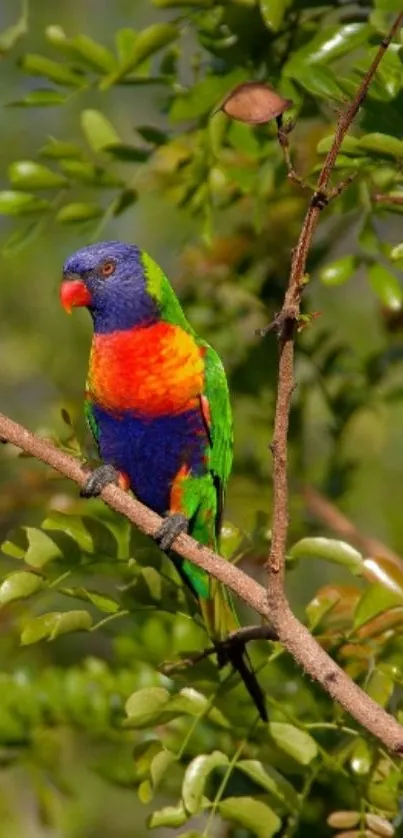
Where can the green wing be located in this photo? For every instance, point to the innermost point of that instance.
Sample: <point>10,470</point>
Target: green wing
<point>91,421</point>
<point>219,422</point>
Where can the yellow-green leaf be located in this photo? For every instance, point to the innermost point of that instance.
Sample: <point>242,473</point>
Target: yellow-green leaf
<point>31,175</point>
<point>295,742</point>
<point>251,814</point>
<point>19,585</point>
<point>53,624</point>
<point>145,707</point>
<point>98,130</point>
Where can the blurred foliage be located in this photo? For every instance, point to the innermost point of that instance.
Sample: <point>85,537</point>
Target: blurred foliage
<point>109,131</point>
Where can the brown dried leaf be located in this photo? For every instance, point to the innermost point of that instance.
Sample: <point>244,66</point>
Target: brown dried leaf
<point>254,102</point>
<point>343,819</point>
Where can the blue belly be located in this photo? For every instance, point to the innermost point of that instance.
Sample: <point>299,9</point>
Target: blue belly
<point>151,452</point>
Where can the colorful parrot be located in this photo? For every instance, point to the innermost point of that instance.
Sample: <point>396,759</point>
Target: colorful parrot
<point>158,407</point>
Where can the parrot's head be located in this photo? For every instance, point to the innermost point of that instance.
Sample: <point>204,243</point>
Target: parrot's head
<point>109,279</point>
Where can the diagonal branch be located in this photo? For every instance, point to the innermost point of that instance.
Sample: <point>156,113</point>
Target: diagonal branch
<point>294,636</point>
<point>282,620</point>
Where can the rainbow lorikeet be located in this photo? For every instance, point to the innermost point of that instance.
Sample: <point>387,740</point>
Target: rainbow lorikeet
<point>158,407</point>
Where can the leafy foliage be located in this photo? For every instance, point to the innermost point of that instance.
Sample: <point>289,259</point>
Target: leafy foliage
<point>92,615</point>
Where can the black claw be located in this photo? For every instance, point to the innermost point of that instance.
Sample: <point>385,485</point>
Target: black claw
<point>97,481</point>
<point>173,526</point>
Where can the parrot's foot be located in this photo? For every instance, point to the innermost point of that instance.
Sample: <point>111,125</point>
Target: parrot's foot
<point>173,526</point>
<point>98,479</point>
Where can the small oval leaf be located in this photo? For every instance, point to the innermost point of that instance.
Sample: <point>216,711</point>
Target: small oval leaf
<point>31,175</point>
<point>329,549</point>
<point>98,130</point>
<point>53,624</point>
<point>170,816</point>
<point>251,814</point>
<point>76,212</point>
<point>19,585</point>
<point>145,707</point>
<point>149,41</point>
<point>295,742</point>
<point>196,776</point>
<point>386,286</point>
<point>339,271</point>
<point>21,203</point>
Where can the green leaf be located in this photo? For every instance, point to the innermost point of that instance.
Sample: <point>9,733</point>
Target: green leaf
<point>375,600</point>
<point>396,254</point>
<point>350,145</point>
<point>38,65</point>
<point>152,135</point>
<point>382,145</point>
<point>329,549</point>
<point>102,601</point>
<point>88,173</point>
<point>273,12</point>
<point>194,703</point>
<point>145,707</point>
<point>127,153</point>
<point>98,130</point>
<point>14,33</point>
<point>41,548</point>
<point>339,271</point>
<point>204,95</point>
<point>125,39</point>
<point>171,816</point>
<point>40,98</point>
<point>318,80</point>
<point>76,212</point>
<point>21,203</point>
<point>160,764</point>
<point>386,286</point>
<point>175,4</point>
<point>196,776</point>
<point>93,54</point>
<point>295,742</point>
<point>380,687</point>
<point>19,585</point>
<point>31,175</point>
<point>148,42</point>
<point>329,43</point>
<point>251,814</point>
<point>54,624</point>
<point>58,149</point>
<point>270,780</point>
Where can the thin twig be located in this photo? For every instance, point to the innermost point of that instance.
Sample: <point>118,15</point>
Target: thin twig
<point>394,198</point>
<point>288,319</point>
<point>293,635</point>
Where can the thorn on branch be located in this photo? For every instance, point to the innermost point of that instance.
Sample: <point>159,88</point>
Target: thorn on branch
<point>283,324</point>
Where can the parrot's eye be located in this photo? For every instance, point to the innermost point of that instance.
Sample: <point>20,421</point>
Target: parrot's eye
<point>107,268</point>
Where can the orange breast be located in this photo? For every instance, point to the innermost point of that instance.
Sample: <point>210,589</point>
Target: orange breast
<point>153,371</point>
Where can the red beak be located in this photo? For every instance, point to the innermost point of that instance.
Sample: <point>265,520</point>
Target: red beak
<point>73,292</point>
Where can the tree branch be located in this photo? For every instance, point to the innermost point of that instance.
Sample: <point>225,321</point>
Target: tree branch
<point>293,635</point>
<point>286,321</point>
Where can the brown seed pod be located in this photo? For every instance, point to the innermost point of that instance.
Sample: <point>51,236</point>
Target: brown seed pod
<point>356,833</point>
<point>380,825</point>
<point>254,102</point>
<point>343,819</point>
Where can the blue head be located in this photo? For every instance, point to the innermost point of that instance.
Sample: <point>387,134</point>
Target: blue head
<point>109,278</point>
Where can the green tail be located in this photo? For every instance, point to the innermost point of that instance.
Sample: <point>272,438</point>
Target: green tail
<point>221,620</point>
